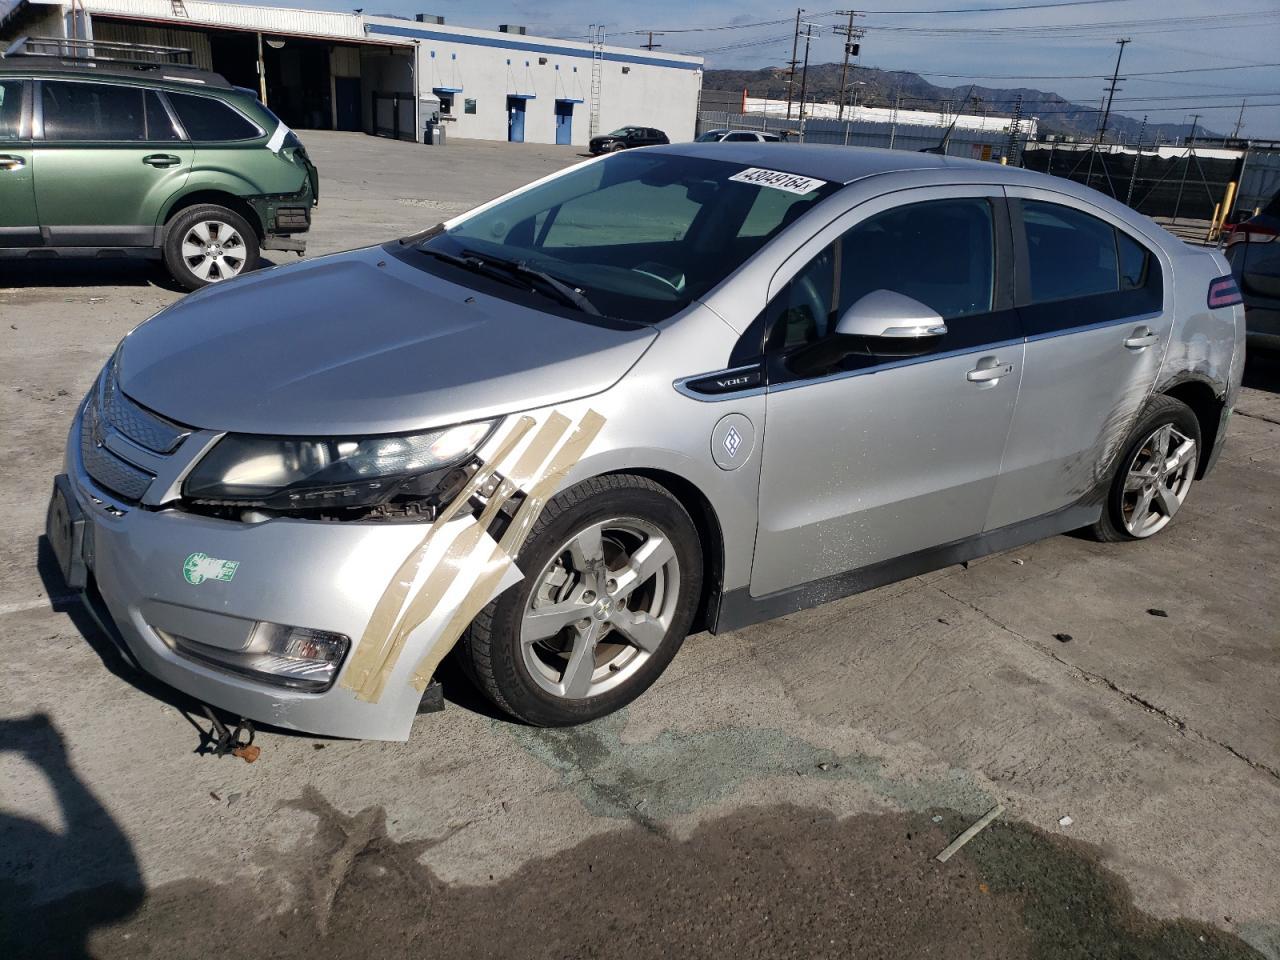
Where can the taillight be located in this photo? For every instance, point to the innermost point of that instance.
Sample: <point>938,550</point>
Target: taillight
<point>1223,292</point>
<point>1252,232</point>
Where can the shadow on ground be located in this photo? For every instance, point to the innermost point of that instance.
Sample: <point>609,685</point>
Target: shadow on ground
<point>90,854</point>
<point>765,882</point>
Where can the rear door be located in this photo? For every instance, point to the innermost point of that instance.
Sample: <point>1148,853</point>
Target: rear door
<point>19,226</point>
<point>1093,303</point>
<point>107,157</point>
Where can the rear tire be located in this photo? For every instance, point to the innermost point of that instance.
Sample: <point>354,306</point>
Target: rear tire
<point>208,244</point>
<point>1153,475</point>
<point>613,578</point>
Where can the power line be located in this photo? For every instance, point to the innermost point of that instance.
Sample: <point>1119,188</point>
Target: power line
<point>1020,6</point>
<point>1084,76</point>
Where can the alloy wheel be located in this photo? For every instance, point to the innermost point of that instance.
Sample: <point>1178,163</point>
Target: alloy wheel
<point>214,250</point>
<point>600,608</point>
<point>1157,481</point>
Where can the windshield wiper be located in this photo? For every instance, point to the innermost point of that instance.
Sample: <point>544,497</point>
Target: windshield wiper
<point>549,284</point>
<point>514,272</point>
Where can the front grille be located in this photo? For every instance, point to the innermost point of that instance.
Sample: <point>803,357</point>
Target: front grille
<point>110,412</point>
<point>107,470</point>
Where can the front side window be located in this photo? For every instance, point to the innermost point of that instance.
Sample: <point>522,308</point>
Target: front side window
<point>940,252</point>
<point>640,236</point>
<point>93,111</point>
<point>10,109</point>
<point>207,119</point>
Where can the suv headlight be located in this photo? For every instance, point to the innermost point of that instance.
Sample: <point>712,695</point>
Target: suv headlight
<point>292,473</point>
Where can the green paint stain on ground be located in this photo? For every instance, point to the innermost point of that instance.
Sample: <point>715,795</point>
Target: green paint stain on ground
<point>680,772</point>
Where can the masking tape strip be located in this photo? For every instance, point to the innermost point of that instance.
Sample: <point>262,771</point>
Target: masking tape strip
<point>371,653</point>
<point>461,553</point>
<point>502,556</point>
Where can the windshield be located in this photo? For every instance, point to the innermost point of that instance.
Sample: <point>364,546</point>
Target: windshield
<point>639,235</point>
<point>711,136</point>
<point>621,132</point>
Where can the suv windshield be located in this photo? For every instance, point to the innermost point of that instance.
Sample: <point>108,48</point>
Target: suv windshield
<point>640,236</point>
<point>711,136</point>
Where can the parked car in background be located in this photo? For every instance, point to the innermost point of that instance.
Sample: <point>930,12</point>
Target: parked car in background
<point>119,157</point>
<point>625,137</point>
<point>738,136</point>
<point>670,391</point>
<point>1253,250</point>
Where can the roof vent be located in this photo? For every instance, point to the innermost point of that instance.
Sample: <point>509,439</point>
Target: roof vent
<point>512,28</point>
<point>429,18</point>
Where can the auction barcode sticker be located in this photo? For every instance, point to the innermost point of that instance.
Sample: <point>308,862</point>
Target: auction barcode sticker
<point>777,180</point>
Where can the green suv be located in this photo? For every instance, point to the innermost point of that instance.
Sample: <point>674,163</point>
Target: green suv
<point>102,155</point>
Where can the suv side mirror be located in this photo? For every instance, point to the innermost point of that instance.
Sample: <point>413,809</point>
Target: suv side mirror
<point>881,324</point>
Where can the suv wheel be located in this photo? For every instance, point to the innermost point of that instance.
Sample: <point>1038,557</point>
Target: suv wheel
<point>1153,475</point>
<point>614,579</point>
<point>207,244</point>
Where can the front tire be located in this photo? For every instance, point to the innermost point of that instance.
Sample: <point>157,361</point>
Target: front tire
<point>1153,475</point>
<point>613,580</point>
<point>208,244</point>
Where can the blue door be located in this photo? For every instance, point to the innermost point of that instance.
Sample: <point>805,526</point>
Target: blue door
<point>515,119</point>
<point>564,122</point>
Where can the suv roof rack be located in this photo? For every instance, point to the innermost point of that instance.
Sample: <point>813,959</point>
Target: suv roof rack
<point>114,57</point>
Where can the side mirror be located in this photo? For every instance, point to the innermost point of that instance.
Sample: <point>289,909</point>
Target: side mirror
<point>883,315</point>
<point>881,324</point>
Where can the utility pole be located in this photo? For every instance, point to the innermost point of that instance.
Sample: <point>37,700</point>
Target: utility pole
<point>791,64</point>
<point>1239,121</point>
<point>804,75</point>
<point>1111,90</point>
<point>852,46</point>
<point>650,45</point>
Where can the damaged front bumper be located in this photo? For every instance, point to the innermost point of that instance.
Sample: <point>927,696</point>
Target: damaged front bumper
<point>195,601</point>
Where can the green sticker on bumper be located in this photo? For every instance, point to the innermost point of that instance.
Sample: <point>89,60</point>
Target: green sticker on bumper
<point>200,567</point>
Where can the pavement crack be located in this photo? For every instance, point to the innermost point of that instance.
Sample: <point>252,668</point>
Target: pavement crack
<point>1088,676</point>
<point>1257,416</point>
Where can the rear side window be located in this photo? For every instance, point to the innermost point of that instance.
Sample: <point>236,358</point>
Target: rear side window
<point>93,111</point>
<point>1070,254</point>
<point>1135,262</point>
<point>10,109</point>
<point>207,119</point>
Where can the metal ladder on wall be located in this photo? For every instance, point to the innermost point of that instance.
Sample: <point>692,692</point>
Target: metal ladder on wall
<point>597,75</point>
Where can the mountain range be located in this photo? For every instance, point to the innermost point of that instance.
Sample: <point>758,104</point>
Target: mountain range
<point>1057,114</point>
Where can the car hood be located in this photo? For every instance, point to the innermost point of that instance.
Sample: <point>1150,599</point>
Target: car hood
<point>361,343</point>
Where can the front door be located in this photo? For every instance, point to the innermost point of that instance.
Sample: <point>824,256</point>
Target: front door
<point>515,119</point>
<point>877,457</point>
<point>564,122</point>
<point>1092,301</point>
<point>106,160</point>
<point>19,226</point>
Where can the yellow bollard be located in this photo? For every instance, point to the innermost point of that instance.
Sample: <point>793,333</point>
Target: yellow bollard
<point>1227,200</point>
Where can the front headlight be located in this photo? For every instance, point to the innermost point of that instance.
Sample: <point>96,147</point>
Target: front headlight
<point>291,473</point>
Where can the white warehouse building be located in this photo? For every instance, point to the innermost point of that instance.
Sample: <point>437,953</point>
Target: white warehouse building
<point>391,76</point>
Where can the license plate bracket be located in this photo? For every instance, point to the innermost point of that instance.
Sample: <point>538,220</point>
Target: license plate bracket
<point>67,529</point>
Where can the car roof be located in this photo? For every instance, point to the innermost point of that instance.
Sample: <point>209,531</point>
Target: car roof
<point>841,164</point>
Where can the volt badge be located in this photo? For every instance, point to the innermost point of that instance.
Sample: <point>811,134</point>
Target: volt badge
<point>732,441</point>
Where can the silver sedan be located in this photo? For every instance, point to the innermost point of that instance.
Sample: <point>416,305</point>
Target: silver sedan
<point>676,389</point>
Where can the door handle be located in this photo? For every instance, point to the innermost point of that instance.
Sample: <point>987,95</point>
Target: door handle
<point>161,160</point>
<point>1141,338</point>
<point>10,162</point>
<point>988,370</point>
